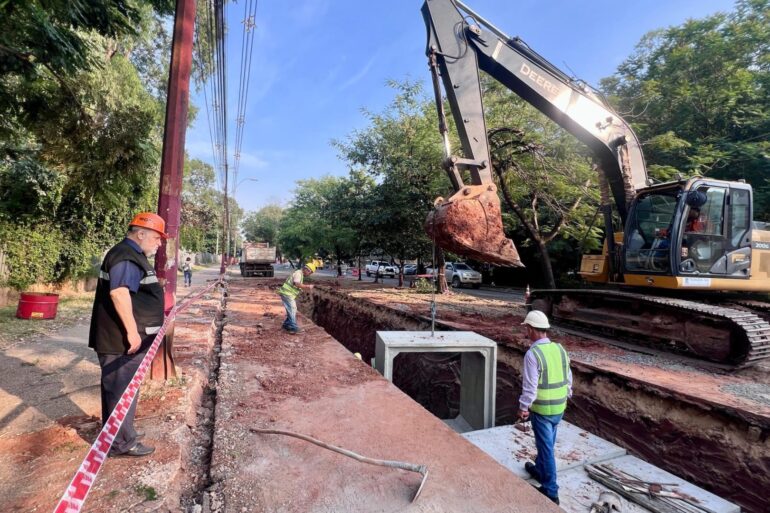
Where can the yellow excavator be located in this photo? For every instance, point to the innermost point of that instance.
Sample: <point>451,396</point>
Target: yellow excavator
<point>688,273</point>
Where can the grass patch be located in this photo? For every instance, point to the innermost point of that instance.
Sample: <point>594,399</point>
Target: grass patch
<point>67,447</point>
<point>177,382</point>
<point>71,310</point>
<point>148,492</point>
<point>423,286</point>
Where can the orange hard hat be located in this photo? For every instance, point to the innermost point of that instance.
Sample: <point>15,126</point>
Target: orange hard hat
<point>150,221</point>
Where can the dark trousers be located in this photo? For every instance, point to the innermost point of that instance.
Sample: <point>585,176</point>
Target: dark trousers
<point>117,371</point>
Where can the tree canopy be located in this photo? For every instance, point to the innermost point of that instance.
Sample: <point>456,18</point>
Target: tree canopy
<point>699,96</point>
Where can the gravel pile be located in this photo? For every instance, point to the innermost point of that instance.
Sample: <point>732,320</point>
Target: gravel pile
<point>660,362</point>
<point>757,392</point>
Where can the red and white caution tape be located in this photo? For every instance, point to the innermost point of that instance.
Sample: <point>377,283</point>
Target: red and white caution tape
<point>75,496</point>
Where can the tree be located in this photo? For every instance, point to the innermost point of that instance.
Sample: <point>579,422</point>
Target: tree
<point>202,208</point>
<point>263,225</point>
<point>401,150</point>
<point>309,224</point>
<point>698,95</point>
<point>543,174</point>
<point>77,125</point>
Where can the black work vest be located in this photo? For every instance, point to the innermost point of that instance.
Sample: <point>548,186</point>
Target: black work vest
<point>108,335</point>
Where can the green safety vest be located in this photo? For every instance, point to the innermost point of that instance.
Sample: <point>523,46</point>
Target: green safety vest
<point>552,386</point>
<point>288,288</point>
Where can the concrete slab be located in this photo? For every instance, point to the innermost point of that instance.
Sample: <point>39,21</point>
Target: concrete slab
<point>458,424</point>
<point>576,448</point>
<point>478,366</point>
<point>512,448</point>
<point>577,490</point>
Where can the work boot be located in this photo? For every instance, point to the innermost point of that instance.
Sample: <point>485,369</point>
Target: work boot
<point>137,450</point>
<point>531,469</point>
<point>555,500</point>
<point>295,331</point>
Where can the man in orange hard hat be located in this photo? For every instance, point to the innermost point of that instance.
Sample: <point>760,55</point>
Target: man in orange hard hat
<point>127,314</point>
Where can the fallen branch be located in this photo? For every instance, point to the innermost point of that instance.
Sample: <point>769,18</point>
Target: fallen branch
<point>411,467</point>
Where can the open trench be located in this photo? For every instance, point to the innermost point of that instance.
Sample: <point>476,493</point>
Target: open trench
<point>719,449</point>
<point>200,494</point>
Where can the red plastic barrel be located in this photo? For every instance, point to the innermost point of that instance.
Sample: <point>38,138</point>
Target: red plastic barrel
<point>37,305</point>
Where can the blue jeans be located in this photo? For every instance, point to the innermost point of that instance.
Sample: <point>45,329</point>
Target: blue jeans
<point>188,278</point>
<point>544,427</point>
<point>291,313</point>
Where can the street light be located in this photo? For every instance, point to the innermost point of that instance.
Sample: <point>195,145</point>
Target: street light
<point>235,187</point>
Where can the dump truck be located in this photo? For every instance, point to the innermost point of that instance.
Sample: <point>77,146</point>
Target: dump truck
<point>257,259</point>
<point>686,270</point>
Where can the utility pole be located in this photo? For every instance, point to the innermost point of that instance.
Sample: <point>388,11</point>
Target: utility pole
<point>171,171</point>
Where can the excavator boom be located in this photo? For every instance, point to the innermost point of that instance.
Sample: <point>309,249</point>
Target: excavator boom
<point>701,274</point>
<point>460,43</point>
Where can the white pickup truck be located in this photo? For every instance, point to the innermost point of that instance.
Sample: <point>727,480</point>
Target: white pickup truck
<point>459,274</point>
<point>381,267</point>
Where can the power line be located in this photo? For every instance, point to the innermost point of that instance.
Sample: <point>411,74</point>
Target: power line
<point>247,51</point>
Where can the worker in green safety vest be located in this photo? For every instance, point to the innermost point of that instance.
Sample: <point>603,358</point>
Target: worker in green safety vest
<point>546,386</point>
<point>289,291</point>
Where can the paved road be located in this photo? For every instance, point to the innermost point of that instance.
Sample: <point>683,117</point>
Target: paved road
<point>499,293</point>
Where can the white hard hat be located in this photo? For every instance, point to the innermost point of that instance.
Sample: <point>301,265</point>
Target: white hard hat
<point>537,320</point>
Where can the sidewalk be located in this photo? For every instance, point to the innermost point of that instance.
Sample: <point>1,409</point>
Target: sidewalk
<point>50,412</point>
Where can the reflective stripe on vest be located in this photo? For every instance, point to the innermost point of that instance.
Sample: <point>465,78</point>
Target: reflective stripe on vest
<point>552,386</point>
<point>288,289</point>
<point>144,281</point>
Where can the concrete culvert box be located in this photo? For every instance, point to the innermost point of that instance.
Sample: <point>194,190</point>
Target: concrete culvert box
<point>478,368</point>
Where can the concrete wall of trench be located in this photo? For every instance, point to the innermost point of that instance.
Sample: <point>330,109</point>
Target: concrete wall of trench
<point>717,450</point>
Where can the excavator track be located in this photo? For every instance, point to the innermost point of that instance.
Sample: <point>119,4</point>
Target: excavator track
<point>735,333</point>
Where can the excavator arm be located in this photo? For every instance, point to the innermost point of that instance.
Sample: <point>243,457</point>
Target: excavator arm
<point>460,43</point>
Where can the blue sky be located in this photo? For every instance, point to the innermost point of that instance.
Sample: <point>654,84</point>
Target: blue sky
<point>317,63</point>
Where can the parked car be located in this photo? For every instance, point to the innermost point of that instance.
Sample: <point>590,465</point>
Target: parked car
<point>459,274</point>
<point>382,268</point>
<point>410,269</point>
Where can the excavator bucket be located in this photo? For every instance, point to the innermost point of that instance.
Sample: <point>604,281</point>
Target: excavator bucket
<point>470,224</point>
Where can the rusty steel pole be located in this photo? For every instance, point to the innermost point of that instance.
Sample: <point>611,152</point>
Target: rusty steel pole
<point>171,171</point>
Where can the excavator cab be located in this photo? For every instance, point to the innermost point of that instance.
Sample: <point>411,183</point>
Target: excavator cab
<point>696,228</point>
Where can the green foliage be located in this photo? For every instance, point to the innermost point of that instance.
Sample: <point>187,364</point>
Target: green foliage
<point>423,286</point>
<point>401,149</point>
<point>80,129</point>
<point>546,181</point>
<point>28,189</point>
<point>148,492</point>
<point>699,96</point>
<point>311,225</point>
<point>263,225</point>
<point>32,254</point>
<point>202,208</point>
<point>55,33</point>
